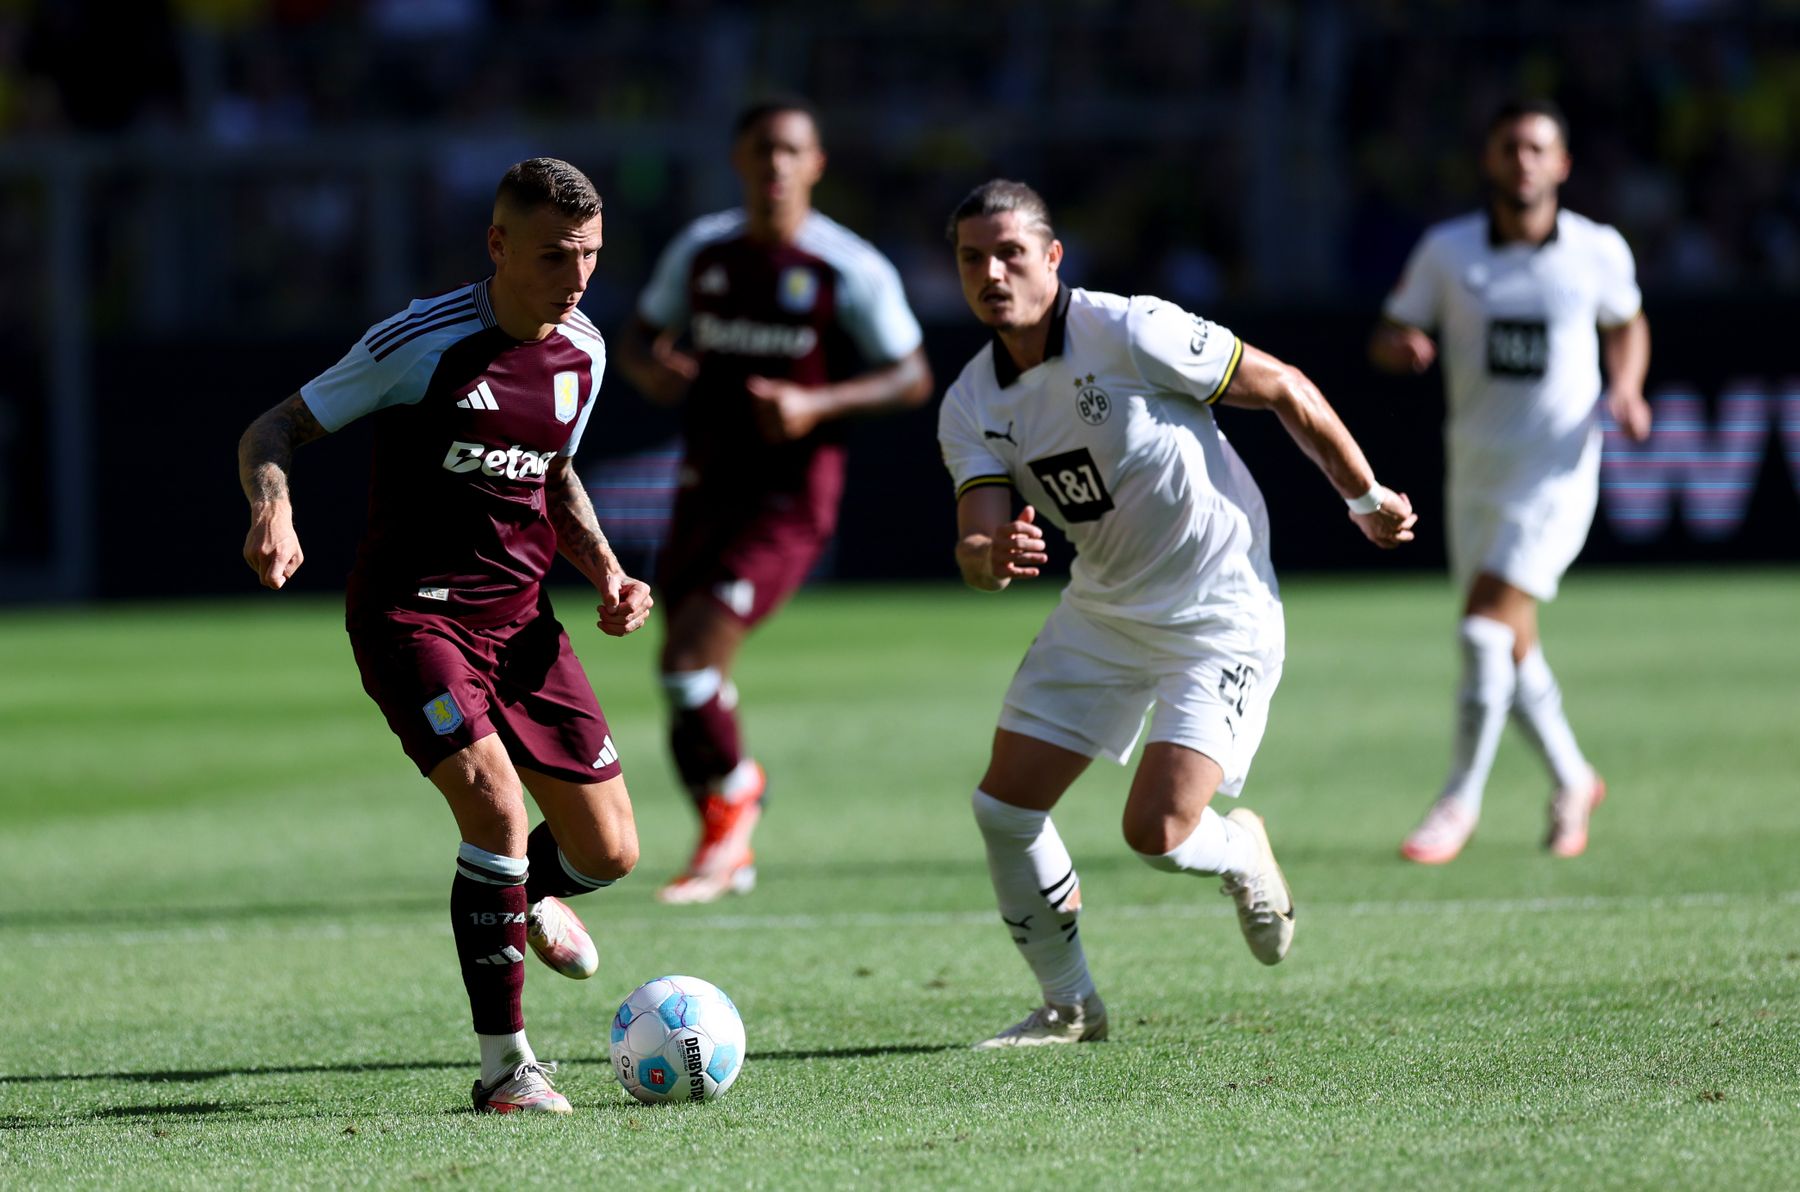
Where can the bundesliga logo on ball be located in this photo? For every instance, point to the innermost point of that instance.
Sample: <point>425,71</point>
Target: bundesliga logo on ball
<point>677,1039</point>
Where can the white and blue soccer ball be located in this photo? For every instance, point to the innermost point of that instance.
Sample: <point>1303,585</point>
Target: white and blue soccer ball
<point>677,1039</point>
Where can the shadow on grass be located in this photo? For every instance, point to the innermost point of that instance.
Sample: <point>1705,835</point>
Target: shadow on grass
<point>19,1121</point>
<point>198,916</point>
<point>856,1053</point>
<point>186,1075</point>
<point>187,1109</point>
<point>189,1075</point>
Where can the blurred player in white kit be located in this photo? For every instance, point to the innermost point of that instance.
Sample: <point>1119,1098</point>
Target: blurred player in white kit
<point>1525,300</point>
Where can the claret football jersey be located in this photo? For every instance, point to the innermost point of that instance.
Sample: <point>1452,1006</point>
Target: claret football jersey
<point>1112,439</point>
<point>1517,326</point>
<point>467,422</point>
<point>817,310</point>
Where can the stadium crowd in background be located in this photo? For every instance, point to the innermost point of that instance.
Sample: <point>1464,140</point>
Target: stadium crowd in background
<point>1167,118</point>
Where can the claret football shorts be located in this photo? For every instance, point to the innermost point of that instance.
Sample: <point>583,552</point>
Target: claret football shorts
<point>443,686</point>
<point>747,548</point>
<point>1087,683</point>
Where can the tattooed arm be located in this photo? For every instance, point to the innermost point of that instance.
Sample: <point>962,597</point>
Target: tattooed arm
<point>265,456</point>
<point>624,602</point>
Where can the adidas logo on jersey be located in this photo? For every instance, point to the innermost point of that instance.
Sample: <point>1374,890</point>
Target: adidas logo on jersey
<point>514,463</point>
<point>479,398</point>
<point>608,753</point>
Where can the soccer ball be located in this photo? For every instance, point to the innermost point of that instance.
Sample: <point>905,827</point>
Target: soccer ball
<point>677,1039</point>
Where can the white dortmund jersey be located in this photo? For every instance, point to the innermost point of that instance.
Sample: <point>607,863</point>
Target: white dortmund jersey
<point>1112,438</point>
<point>1516,326</point>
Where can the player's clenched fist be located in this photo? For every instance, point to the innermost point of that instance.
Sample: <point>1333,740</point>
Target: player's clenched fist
<point>784,411</point>
<point>271,547</point>
<point>625,605</point>
<point>1391,522</point>
<point>1018,548</point>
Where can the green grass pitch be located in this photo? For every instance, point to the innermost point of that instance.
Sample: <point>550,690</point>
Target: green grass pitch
<point>225,956</point>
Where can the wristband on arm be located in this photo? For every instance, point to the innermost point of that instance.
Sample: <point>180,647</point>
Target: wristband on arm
<point>1369,502</point>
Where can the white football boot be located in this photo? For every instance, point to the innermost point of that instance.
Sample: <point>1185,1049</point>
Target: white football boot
<point>1441,834</point>
<point>526,1090</point>
<point>1265,907</point>
<point>1569,812</point>
<point>559,939</point>
<point>1050,1023</point>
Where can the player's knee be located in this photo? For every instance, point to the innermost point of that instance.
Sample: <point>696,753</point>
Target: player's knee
<point>604,860</point>
<point>1150,836</point>
<point>617,861</point>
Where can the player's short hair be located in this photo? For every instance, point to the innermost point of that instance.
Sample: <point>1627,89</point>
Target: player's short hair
<point>1516,109</point>
<point>540,181</point>
<point>762,109</point>
<point>1002,194</point>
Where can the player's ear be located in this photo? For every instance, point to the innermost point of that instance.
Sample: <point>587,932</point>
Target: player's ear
<point>1053,254</point>
<point>496,244</point>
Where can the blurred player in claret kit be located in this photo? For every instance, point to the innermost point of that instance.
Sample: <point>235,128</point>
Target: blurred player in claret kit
<point>792,324</point>
<point>479,398</point>
<point>1096,411</point>
<point>1526,300</point>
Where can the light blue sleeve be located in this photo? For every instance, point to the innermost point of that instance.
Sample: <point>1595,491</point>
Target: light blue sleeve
<point>872,307</point>
<point>664,302</point>
<point>361,383</point>
<point>595,347</point>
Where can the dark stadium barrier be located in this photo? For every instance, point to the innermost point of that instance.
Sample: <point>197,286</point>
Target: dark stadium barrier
<point>1717,484</point>
<point>26,457</point>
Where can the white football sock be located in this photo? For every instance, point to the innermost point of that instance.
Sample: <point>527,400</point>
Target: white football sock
<point>1482,702</point>
<point>1039,895</point>
<point>744,779</point>
<point>1538,710</point>
<point>1216,846</point>
<point>690,689</point>
<point>500,1054</point>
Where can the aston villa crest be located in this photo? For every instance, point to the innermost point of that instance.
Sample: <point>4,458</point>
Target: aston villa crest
<point>798,291</point>
<point>568,396</point>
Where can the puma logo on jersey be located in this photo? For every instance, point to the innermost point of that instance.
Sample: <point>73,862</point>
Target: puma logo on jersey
<point>514,463</point>
<point>1000,434</point>
<point>744,337</point>
<point>479,398</point>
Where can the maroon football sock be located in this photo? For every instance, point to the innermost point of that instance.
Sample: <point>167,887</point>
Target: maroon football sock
<point>488,921</point>
<point>706,745</point>
<point>550,871</point>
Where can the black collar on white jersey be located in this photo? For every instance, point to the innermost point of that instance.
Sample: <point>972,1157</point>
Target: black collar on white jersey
<point>1493,233</point>
<point>1005,371</point>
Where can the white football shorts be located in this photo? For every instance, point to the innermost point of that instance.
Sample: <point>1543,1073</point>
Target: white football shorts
<point>1086,684</point>
<point>1528,538</point>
